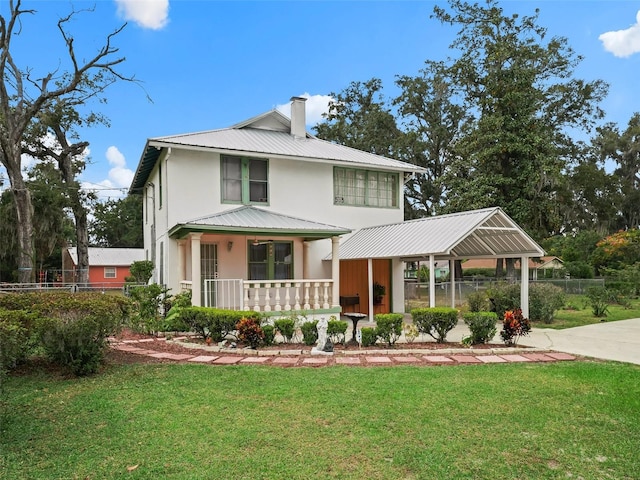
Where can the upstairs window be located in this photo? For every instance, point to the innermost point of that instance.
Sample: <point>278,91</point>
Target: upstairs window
<point>366,188</point>
<point>244,180</point>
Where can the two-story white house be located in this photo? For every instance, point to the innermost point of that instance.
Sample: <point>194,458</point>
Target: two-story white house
<point>247,216</point>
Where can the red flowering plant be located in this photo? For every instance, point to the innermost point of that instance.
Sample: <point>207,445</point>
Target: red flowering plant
<point>514,326</point>
<point>249,332</point>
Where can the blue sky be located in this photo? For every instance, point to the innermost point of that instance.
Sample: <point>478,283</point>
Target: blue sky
<point>210,64</point>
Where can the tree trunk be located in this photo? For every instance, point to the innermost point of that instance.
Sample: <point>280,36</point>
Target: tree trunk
<point>511,269</point>
<point>499,268</point>
<point>82,236</point>
<point>24,228</point>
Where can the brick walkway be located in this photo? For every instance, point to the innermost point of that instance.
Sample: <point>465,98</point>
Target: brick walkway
<point>378,357</point>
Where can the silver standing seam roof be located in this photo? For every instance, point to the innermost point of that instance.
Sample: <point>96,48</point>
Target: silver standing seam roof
<point>479,233</point>
<point>265,135</point>
<point>255,221</point>
<point>109,257</point>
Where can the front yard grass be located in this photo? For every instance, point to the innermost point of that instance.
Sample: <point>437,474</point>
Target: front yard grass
<point>178,421</point>
<point>580,313</point>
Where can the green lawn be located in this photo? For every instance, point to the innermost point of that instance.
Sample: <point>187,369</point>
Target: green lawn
<point>580,313</point>
<point>177,421</point>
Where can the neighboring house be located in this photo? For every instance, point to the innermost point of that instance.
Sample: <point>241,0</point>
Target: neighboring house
<point>108,267</point>
<point>253,217</point>
<point>539,267</point>
<point>232,213</point>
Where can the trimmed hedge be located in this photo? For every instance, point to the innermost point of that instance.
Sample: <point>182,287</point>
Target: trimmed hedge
<point>389,326</point>
<point>16,330</point>
<point>482,326</point>
<point>336,330</point>
<point>72,327</point>
<point>435,322</point>
<point>213,322</point>
<point>309,332</point>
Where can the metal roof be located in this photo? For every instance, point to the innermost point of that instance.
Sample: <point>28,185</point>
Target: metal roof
<point>109,257</point>
<point>479,233</point>
<point>253,220</point>
<point>265,135</point>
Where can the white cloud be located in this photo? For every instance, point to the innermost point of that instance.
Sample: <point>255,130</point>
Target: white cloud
<point>153,14</point>
<point>623,43</point>
<point>119,177</point>
<point>315,106</point>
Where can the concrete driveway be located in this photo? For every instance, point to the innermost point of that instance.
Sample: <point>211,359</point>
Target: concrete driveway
<point>618,341</point>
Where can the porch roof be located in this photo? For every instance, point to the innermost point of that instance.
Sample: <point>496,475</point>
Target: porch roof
<point>479,233</point>
<point>256,221</point>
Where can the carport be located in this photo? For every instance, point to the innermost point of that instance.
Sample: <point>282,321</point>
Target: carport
<point>485,233</point>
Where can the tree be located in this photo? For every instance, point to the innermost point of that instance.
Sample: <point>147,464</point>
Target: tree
<point>359,117</point>
<point>23,98</point>
<point>118,223</point>
<point>623,149</point>
<point>431,122</point>
<point>522,97</point>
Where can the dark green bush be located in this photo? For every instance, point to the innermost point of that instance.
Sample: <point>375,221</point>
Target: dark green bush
<point>544,300</point>
<point>478,272</point>
<point>336,330</point>
<point>309,332</point>
<point>148,301</point>
<point>286,327</point>
<point>478,302</point>
<point>435,322</point>
<point>389,327</point>
<point>16,330</point>
<point>503,296</point>
<point>269,334</point>
<point>213,322</point>
<point>173,322</point>
<point>369,336</point>
<point>482,326</point>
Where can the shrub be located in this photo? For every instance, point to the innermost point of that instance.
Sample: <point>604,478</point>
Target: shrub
<point>286,327</point>
<point>478,302</point>
<point>369,336</point>
<point>482,326</point>
<point>16,328</point>
<point>269,334</point>
<point>544,300</point>
<point>389,327</point>
<point>249,332</point>
<point>410,332</point>
<point>503,297</point>
<point>435,322</point>
<point>599,301</point>
<point>514,326</point>
<point>309,332</point>
<point>148,301</point>
<point>336,330</point>
<point>213,322</point>
<point>173,321</point>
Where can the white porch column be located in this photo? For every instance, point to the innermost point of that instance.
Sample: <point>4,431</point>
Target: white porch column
<point>452,277</point>
<point>181,273</point>
<point>305,260</point>
<point>196,287</point>
<point>524,286</point>
<point>335,271</point>
<point>370,284</point>
<point>432,281</point>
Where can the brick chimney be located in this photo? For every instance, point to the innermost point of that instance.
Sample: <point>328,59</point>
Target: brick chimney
<point>298,117</point>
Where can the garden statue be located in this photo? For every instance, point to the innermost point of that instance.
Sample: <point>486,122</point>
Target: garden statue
<point>322,344</point>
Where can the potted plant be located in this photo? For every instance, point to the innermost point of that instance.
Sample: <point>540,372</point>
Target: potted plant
<point>379,291</point>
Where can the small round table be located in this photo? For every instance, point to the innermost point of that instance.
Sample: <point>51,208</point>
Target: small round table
<point>355,318</point>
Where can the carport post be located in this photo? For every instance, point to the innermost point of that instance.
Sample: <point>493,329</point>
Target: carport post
<point>524,286</point>
<point>432,281</point>
<point>452,275</point>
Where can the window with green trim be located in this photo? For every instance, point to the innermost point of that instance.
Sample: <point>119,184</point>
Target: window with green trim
<point>270,260</point>
<point>244,180</point>
<point>368,188</point>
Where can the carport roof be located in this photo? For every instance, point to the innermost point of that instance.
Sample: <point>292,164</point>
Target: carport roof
<point>479,233</point>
